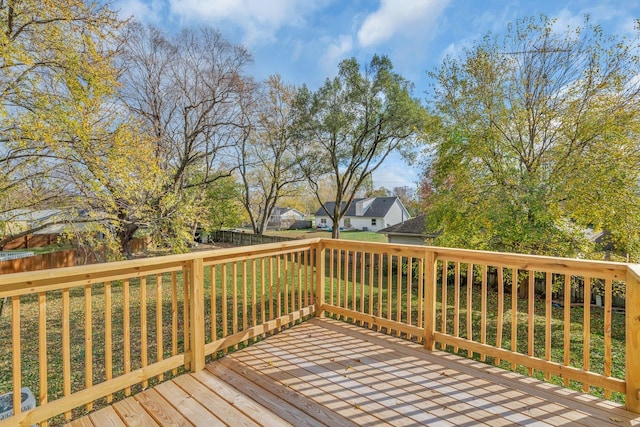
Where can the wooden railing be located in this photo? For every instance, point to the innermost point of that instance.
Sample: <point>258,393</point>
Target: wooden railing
<point>466,302</point>
<point>81,337</point>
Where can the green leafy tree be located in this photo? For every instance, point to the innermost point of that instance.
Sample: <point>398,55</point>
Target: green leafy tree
<point>350,126</point>
<point>536,140</point>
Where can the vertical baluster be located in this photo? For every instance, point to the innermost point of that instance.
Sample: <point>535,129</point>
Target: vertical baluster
<point>143,326</point>
<point>108,337</point>
<point>354,263</point>
<point>338,272</point>
<point>331,262</point>
<point>270,288</point>
<point>16,351</point>
<point>126,326</point>
<point>346,279</point>
<point>547,317</point>
<point>399,291</point>
<point>88,342</point>
<point>608,294</point>
<point>286,284</point>
<point>66,349</point>
<point>586,350</point>
<point>421,285</point>
<point>42,351</point>
<point>362,290</point>
<point>234,299</point>
<point>159,335</point>
<point>483,311</point>
<point>185,312</point>
<point>389,287</point>
<point>214,305</point>
<point>514,313</point>
<point>456,304</point>
<point>244,296</point>
<point>500,319</point>
<point>174,317</point>
<point>299,271</point>
<point>409,292</point>
<point>379,313</point>
<point>254,293</point>
<point>567,323</point>
<point>278,287</point>
<point>531,316</point>
<point>263,291</point>
<point>443,306</point>
<point>292,280</point>
<point>225,304</point>
<point>370,286</point>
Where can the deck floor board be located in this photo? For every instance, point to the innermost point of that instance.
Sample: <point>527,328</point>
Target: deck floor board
<point>326,372</point>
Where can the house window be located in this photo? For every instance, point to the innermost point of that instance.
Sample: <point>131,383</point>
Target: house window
<point>323,221</point>
<point>373,222</point>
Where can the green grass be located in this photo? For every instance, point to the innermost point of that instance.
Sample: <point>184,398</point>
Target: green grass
<point>363,236</point>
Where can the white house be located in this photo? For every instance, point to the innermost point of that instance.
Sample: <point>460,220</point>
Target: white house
<point>369,214</point>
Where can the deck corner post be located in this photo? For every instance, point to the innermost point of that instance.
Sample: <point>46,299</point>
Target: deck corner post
<point>320,267</point>
<point>632,308</point>
<point>429,300</point>
<point>196,318</point>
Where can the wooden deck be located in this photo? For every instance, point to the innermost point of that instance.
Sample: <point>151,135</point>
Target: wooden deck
<point>325,372</point>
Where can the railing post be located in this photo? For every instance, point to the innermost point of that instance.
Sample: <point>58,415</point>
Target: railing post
<point>320,267</point>
<point>429,300</point>
<point>196,318</point>
<point>632,338</point>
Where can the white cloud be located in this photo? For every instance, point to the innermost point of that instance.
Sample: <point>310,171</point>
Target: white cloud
<point>259,19</point>
<point>407,17</point>
<point>144,11</point>
<point>336,51</point>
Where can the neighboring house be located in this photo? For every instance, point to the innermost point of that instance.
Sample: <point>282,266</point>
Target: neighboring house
<point>19,220</point>
<point>283,218</point>
<point>369,214</point>
<point>410,232</point>
<point>286,214</point>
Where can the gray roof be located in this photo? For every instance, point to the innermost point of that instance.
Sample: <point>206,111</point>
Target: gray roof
<point>414,226</point>
<point>378,208</point>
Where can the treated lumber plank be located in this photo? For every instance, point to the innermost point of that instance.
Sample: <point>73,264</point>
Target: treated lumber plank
<point>81,422</point>
<point>345,398</point>
<point>278,399</point>
<point>160,410</point>
<point>190,408</point>
<point>532,386</point>
<point>256,411</point>
<point>133,414</point>
<point>107,417</point>
<point>394,391</point>
<point>214,403</point>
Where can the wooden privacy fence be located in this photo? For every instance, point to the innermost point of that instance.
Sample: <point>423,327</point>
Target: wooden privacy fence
<point>81,337</point>
<point>247,239</point>
<point>58,259</point>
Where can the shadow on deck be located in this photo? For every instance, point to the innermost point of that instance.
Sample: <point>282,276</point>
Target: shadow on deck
<point>326,372</point>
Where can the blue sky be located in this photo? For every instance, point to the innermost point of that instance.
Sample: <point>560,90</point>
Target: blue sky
<point>304,40</point>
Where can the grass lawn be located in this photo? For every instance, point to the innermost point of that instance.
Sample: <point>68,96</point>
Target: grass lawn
<point>363,236</point>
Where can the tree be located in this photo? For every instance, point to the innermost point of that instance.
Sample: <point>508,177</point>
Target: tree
<point>56,72</point>
<point>351,124</point>
<point>269,168</point>
<point>537,140</point>
<point>188,91</point>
